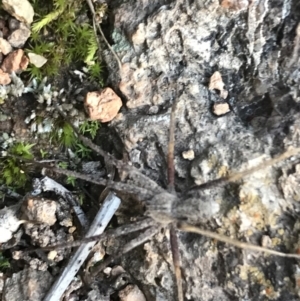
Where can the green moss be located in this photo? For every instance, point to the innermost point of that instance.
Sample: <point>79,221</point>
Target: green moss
<point>14,172</point>
<point>63,133</point>
<point>62,39</point>
<point>90,127</point>
<point>4,263</point>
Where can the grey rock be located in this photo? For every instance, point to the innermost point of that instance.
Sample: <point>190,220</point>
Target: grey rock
<point>40,210</point>
<point>21,10</point>
<point>5,46</point>
<point>173,49</point>
<point>9,222</point>
<point>19,36</point>
<point>13,24</point>
<point>27,285</point>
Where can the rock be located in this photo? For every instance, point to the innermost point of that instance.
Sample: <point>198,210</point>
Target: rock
<point>103,106</point>
<point>216,83</point>
<point>131,293</point>
<point>2,277</point>
<point>16,61</point>
<point>188,155</point>
<point>4,78</point>
<point>3,117</point>
<point>183,48</point>
<point>21,10</point>
<point>40,210</point>
<point>140,35</point>
<point>93,168</point>
<point>220,109</point>
<point>5,47</point>
<point>290,184</point>
<point>19,37</point>
<point>117,270</point>
<point>234,4</point>
<point>29,285</point>
<point>9,222</point>
<point>13,24</point>
<point>37,60</point>
<point>52,254</point>
<point>135,85</point>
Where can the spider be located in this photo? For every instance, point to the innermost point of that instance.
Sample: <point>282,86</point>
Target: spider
<point>168,209</point>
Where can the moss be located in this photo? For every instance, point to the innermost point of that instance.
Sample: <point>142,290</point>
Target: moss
<point>13,169</point>
<point>59,36</point>
<point>4,263</point>
<point>63,134</point>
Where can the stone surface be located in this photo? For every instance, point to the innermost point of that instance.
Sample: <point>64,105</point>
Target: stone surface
<point>37,60</point>
<point>16,61</point>
<point>102,106</point>
<point>40,210</point>
<point>4,78</point>
<point>5,47</point>
<point>185,43</point>
<point>21,10</point>
<point>9,222</point>
<point>19,36</point>
<point>29,285</point>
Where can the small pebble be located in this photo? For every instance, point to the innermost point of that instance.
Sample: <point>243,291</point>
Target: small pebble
<point>13,24</point>
<point>188,155</point>
<point>52,254</point>
<point>131,293</point>
<point>220,109</point>
<point>72,230</point>
<point>107,271</point>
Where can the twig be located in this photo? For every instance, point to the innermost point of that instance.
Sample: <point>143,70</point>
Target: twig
<point>171,189</point>
<point>171,168</point>
<point>118,186</point>
<point>10,192</point>
<point>92,9</point>
<point>134,243</point>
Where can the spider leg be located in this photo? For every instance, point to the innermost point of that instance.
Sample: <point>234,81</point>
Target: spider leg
<point>236,176</point>
<point>139,178</point>
<point>151,185</point>
<point>242,245</point>
<point>141,239</point>
<point>122,230</point>
<point>118,186</point>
